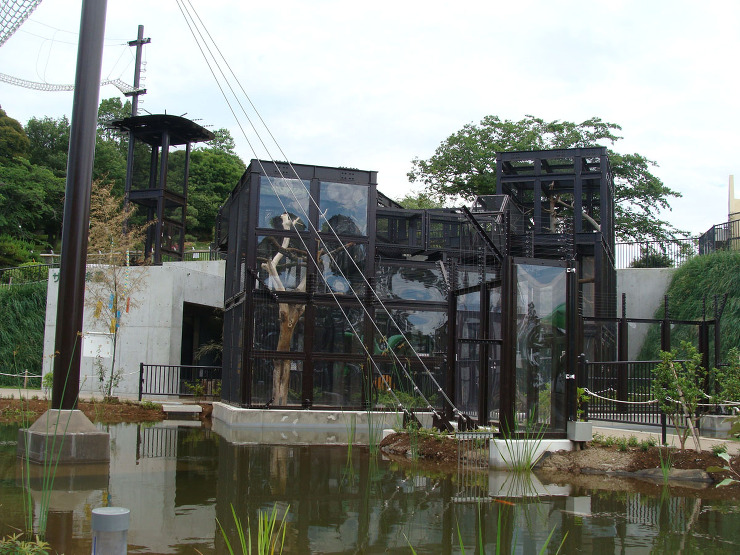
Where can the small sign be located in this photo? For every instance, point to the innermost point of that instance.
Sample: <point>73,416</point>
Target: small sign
<point>97,345</point>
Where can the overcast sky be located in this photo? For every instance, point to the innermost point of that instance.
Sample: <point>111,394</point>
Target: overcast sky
<point>374,85</point>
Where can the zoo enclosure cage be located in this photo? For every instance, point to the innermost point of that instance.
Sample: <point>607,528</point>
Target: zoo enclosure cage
<point>345,294</point>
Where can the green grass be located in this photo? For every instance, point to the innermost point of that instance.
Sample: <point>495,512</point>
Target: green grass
<point>707,275</point>
<point>270,536</point>
<point>22,331</point>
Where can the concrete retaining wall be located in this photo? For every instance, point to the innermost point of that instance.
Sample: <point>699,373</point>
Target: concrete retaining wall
<point>645,289</point>
<point>151,331</point>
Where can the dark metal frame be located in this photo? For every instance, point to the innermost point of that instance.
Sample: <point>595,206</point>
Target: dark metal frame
<point>161,132</point>
<point>475,249</point>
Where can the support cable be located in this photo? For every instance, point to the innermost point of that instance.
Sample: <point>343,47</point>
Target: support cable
<point>300,237</point>
<point>330,227</point>
<point>316,232</point>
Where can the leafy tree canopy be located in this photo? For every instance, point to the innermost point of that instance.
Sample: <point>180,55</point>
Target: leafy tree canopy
<point>30,200</point>
<point>464,164</point>
<point>420,201</point>
<point>13,140</point>
<point>49,143</point>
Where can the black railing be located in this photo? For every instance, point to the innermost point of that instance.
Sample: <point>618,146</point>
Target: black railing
<point>31,273</point>
<point>622,392</point>
<point>656,254</point>
<point>156,442</point>
<point>725,236</point>
<point>179,380</point>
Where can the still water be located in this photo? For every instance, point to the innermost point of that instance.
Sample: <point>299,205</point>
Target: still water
<point>178,480</point>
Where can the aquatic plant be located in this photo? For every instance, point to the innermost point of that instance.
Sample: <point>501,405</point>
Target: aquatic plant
<point>50,463</point>
<point>270,536</point>
<point>666,462</point>
<point>522,448</point>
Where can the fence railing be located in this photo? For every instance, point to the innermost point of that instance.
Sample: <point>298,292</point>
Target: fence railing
<point>622,392</point>
<point>32,273</point>
<point>179,380</point>
<point>725,236</point>
<point>656,254</point>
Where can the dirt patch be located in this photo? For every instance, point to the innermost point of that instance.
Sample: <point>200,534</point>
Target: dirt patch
<point>607,462</point>
<point>428,449</point>
<point>19,412</point>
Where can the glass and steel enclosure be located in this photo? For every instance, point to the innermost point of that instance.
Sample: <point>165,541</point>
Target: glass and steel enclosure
<point>336,296</point>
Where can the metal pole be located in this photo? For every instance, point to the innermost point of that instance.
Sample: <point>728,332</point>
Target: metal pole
<point>77,206</point>
<point>139,43</point>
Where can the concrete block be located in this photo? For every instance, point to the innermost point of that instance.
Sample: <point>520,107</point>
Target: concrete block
<point>66,436</point>
<point>502,451</point>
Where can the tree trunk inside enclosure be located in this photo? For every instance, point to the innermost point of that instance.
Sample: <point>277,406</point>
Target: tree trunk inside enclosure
<point>290,314</point>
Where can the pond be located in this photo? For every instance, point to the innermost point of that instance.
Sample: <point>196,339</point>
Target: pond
<point>177,480</point>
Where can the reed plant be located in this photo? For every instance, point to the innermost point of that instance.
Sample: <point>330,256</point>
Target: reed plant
<point>480,544</point>
<point>666,462</point>
<point>51,456</point>
<point>522,448</point>
<point>270,538</point>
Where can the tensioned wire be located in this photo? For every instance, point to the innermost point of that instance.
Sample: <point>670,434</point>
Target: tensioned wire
<point>300,237</point>
<point>308,221</point>
<point>330,227</point>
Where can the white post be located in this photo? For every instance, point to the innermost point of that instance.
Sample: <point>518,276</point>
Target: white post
<point>110,530</point>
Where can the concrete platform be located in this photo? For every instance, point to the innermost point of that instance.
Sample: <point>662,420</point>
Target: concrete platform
<point>282,426</point>
<point>63,436</point>
<point>502,451</point>
<point>181,411</point>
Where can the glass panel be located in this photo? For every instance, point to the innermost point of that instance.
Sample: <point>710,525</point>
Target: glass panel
<point>344,208</point>
<point>278,327</point>
<point>402,229</point>
<point>494,355</point>
<point>278,195</point>
<point>395,385</point>
<point>426,330</point>
<point>342,268</point>
<point>540,347</point>
<point>413,284</point>
<point>587,285</point>
<point>337,384</point>
<point>266,390</point>
<point>282,263</point>
<point>333,333</point>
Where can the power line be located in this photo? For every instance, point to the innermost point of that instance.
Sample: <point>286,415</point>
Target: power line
<point>308,221</point>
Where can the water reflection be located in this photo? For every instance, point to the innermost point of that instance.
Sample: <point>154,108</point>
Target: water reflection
<point>177,480</point>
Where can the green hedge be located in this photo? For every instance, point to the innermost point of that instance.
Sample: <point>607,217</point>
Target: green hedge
<point>22,316</point>
<point>707,275</point>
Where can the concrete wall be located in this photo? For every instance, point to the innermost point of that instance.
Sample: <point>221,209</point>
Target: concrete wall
<point>645,289</point>
<point>152,330</point>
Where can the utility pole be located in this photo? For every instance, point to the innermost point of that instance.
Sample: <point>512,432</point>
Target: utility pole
<point>139,44</point>
<point>70,308</point>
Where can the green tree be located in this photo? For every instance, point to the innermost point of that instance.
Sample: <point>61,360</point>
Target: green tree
<point>677,387</point>
<point>112,289</point>
<point>13,139</point>
<point>420,201</point>
<point>464,164</point>
<point>49,143</point>
<point>30,200</point>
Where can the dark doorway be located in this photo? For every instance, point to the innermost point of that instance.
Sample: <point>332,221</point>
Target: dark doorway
<point>201,326</point>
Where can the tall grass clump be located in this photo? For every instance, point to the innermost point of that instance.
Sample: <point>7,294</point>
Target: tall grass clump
<point>270,537</point>
<point>521,448</point>
<point>22,331</point>
<point>711,274</point>
<point>666,462</point>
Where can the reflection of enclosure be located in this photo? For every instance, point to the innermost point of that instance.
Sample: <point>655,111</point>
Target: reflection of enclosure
<point>336,296</point>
